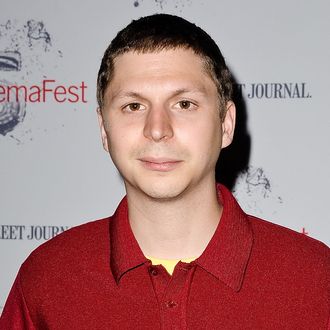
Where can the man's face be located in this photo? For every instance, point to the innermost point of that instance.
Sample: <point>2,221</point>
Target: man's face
<point>161,123</point>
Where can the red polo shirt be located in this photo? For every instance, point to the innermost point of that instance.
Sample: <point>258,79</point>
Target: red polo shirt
<point>252,275</point>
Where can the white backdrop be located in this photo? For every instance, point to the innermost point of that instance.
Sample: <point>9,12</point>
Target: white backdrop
<point>54,172</point>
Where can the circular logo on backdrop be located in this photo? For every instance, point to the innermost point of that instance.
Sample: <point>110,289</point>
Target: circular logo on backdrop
<point>25,53</point>
<point>12,107</point>
<point>12,110</point>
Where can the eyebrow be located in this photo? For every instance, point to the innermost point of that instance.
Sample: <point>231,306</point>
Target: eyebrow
<point>199,90</point>
<point>131,94</point>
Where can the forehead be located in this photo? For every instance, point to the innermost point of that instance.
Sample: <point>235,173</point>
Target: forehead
<point>176,53</point>
<point>165,66</point>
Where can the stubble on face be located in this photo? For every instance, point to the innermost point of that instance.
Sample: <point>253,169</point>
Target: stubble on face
<point>197,136</point>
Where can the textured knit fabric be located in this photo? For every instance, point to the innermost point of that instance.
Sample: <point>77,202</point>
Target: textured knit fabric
<point>252,275</point>
<point>169,264</point>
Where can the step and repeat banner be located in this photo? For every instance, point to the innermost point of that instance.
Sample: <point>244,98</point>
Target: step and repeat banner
<point>54,172</point>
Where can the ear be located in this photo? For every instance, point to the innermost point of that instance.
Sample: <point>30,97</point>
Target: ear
<point>103,131</point>
<point>228,124</point>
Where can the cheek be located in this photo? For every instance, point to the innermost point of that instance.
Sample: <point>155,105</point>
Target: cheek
<point>122,142</point>
<point>202,136</point>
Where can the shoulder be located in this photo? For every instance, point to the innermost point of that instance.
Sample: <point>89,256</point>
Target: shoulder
<point>289,249</point>
<point>85,235</point>
<point>73,249</point>
<point>274,233</point>
<point>69,263</point>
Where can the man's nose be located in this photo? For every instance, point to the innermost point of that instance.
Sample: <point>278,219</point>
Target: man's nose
<point>158,125</point>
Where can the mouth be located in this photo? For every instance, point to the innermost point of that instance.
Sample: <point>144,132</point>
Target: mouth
<point>160,164</point>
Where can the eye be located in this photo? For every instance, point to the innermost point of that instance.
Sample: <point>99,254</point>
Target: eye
<point>134,107</point>
<point>186,105</point>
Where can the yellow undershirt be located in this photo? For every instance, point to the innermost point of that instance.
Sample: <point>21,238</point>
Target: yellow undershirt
<point>169,264</point>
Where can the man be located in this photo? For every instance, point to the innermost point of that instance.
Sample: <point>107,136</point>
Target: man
<point>179,252</point>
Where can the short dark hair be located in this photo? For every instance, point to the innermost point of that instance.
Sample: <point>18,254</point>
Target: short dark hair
<point>161,32</point>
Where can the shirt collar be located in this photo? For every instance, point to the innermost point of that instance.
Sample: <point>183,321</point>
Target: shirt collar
<point>226,255</point>
<point>126,253</point>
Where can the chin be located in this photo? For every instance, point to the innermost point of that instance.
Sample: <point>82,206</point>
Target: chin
<point>163,192</point>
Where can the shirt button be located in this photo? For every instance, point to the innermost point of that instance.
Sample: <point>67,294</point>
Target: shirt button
<point>153,271</point>
<point>171,304</point>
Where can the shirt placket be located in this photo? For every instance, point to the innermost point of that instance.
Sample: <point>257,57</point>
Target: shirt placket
<point>172,293</point>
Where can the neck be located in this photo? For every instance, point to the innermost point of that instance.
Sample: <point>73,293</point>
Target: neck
<point>174,229</point>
